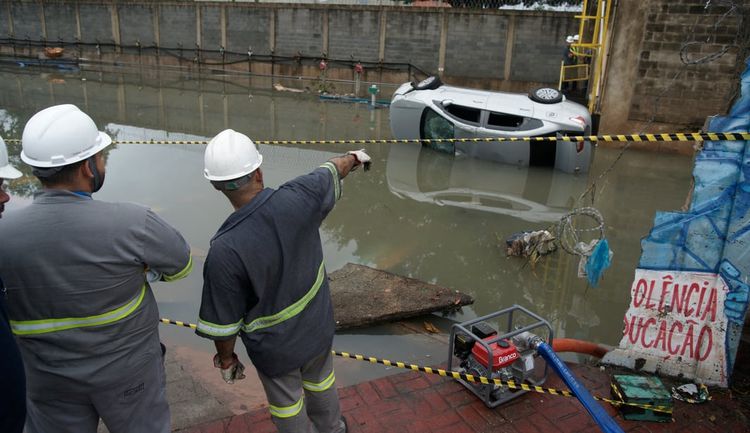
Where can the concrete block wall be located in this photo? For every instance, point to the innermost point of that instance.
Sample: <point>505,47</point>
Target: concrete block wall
<point>299,30</point>
<point>460,44</point>
<point>247,28</point>
<point>31,26</point>
<point>538,49</point>
<point>211,34</point>
<point>413,38</point>
<point>5,21</point>
<point>352,34</point>
<point>60,19</point>
<point>477,45</point>
<point>136,25</point>
<point>177,26</point>
<point>698,90</point>
<point>96,23</point>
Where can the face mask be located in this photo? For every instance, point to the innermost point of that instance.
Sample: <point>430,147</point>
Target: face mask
<point>98,181</point>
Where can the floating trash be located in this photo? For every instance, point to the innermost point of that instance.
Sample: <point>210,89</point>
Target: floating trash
<point>581,233</point>
<point>528,244</point>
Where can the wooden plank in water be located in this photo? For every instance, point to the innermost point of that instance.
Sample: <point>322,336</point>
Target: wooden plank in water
<point>365,296</point>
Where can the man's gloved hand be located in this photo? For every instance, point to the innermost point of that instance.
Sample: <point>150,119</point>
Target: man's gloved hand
<point>361,157</point>
<point>234,371</point>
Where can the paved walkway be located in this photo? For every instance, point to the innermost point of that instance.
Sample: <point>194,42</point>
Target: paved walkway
<point>415,403</point>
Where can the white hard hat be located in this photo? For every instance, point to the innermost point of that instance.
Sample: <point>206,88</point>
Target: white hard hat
<point>230,155</point>
<point>569,39</point>
<point>576,37</point>
<point>61,135</point>
<point>7,171</point>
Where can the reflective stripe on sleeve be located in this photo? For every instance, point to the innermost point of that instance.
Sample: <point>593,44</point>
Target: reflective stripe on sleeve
<point>336,179</point>
<point>215,330</point>
<point>320,386</point>
<point>44,326</point>
<point>288,411</point>
<point>183,273</point>
<point>290,311</point>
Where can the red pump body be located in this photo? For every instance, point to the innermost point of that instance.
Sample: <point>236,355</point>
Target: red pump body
<point>504,353</point>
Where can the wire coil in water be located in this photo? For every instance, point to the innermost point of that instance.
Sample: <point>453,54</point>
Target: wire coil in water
<point>571,230</point>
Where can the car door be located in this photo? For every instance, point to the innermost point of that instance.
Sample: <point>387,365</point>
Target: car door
<point>503,124</point>
<point>466,118</point>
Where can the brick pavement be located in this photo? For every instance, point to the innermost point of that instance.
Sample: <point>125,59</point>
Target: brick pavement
<point>417,403</point>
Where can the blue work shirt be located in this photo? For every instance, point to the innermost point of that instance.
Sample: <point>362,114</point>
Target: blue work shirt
<point>12,377</point>
<point>264,276</point>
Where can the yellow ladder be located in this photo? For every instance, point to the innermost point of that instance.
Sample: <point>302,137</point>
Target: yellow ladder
<point>590,48</point>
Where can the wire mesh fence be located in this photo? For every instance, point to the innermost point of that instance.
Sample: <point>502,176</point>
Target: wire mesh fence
<point>551,5</point>
<point>559,5</point>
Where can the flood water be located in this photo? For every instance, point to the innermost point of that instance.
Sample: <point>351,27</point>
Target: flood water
<point>416,213</point>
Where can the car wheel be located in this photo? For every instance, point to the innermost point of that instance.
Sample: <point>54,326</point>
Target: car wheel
<point>429,83</point>
<point>546,95</point>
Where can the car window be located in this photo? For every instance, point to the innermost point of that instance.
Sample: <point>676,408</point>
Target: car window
<point>435,126</point>
<point>504,120</point>
<point>467,114</point>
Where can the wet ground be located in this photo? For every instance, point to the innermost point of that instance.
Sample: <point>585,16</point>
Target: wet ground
<point>418,403</point>
<point>417,213</point>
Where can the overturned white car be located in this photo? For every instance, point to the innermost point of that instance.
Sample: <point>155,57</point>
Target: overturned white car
<point>431,110</point>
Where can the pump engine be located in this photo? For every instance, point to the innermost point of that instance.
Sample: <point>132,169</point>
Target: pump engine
<point>481,351</point>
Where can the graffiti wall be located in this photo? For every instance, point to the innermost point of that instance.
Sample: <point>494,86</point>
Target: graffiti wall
<point>690,292</point>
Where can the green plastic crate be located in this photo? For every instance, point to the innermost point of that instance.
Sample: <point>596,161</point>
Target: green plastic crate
<point>643,390</point>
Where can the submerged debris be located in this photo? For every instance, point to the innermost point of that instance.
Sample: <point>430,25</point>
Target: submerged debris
<point>280,88</point>
<point>429,327</point>
<point>53,52</point>
<point>530,244</point>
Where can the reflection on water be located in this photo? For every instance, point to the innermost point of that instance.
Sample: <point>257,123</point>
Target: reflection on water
<point>416,213</point>
<point>528,193</point>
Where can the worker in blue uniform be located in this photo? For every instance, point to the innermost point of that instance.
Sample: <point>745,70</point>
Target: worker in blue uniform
<point>12,378</point>
<point>264,279</point>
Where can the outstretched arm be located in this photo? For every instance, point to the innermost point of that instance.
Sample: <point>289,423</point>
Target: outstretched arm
<point>346,163</point>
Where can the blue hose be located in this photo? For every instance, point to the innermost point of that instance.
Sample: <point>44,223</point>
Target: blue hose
<point>597,412</point>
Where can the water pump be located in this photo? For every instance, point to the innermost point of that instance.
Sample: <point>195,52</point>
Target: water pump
<point>481,350</point>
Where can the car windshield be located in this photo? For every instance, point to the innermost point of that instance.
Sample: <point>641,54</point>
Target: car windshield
<point>435,126</point>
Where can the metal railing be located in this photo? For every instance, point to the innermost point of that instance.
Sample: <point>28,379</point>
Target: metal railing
<point>560,5</point>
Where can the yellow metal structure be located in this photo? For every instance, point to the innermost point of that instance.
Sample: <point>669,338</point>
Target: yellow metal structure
<point>589,50</point>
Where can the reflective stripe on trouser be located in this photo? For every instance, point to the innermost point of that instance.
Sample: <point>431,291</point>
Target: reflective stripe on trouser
<point>309,393</point>
<point>137,405</point>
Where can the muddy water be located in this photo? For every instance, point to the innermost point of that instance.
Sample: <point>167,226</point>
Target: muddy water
<point>416,213</point>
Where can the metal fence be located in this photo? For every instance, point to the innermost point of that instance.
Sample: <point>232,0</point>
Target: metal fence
<point>551,5</point>
<point>560,5</point>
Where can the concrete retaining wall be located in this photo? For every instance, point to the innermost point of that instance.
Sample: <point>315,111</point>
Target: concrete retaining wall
<point>647,85</point>
<point>471,34</point>
<point>460,44</point>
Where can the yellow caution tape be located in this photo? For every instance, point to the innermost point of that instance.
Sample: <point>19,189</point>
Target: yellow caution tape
<point>679,136</point>
<point>178,323</point>
<point>487,381</point>
<point>467,377</point>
